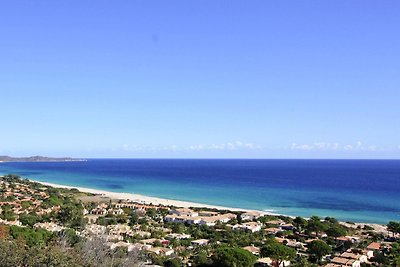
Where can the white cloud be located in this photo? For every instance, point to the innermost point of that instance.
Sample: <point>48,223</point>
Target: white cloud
<point>230,146</point>
<point>358,146</point>
<point>238,145</point>
<point>301,147</point>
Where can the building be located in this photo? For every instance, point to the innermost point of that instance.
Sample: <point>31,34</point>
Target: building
<point>252,249</point>
<point>184,212</point>
<point>248,226</point>
<point>251,215</point>
<point>200,242</point>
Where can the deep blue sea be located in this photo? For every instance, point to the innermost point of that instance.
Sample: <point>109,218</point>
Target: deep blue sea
<point>349,190</point>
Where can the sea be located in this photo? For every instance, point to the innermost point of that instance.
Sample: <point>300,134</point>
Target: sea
<point>348,190</point>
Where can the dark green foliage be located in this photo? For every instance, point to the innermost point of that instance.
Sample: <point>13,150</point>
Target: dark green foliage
<point>7,213</point>
<point>133,218</point>
<point>152,213</point>
<point>71,215</point>
<point>29,219</point>
<point>17,253</point>
<point>380,258</point>
<point>319,248</point>
<point>300,223</point>
<point>315,225</point>
<point>393,227</point>
<point>233,257</point>
<point>31,236</point>
<point>336,231</point>
<point>278,252</point>
<point>201,259</point>
<point>174,262</point>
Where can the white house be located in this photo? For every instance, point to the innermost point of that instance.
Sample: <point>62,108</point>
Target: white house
<point>251,215</point>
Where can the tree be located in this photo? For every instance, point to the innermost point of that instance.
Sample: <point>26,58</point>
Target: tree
<point>233,257</point>
<point>134,218</point>
<point>278,252</point>
<point>28,219</point>
<point>152,213</point>
<point>379,258</point>
<point>315,225</point>
<point>300,223</point>
<point>201,259</point>
<point>393,227</point>
<point>319,248</point>
<point>71,214</point>
<point>397,262</point>
<point>174,262</point>
<point>335,231</point>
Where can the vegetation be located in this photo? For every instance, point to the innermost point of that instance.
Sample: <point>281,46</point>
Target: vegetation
<point>278,252</point>
<point>233,257</point>
<point>318,248</point>
<point>303,242</point>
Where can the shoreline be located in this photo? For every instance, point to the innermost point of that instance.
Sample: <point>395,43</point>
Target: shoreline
<point>151,200</point>
<point>381,228</point>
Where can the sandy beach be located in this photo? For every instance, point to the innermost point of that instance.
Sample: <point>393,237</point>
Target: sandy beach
<point>146,199</point>
<point>186,204</point>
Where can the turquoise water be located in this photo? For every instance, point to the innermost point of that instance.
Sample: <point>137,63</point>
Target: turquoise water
<point>350,190</point>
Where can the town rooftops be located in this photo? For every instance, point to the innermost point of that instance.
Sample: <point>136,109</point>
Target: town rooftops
<point>374,246</point>
<point>252,249</point>
<point>339,260</point>
<point>200,242</point>
<point>333,265</point>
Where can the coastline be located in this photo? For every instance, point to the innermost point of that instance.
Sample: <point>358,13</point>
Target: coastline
<point>153,200</point>
<point>380,228</point>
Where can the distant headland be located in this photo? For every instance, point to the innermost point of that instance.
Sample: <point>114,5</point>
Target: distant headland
<point>37,159</point>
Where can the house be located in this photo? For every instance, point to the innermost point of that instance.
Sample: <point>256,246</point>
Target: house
<point>142,234</point>
<point>273,230</point>
<point>184,212</point>
<point>130,247</point>
<point>161,251</point>
<point>359,257</point>
<point>210,221</point>
<point>224,218</point>
<point>251,215</point>
<point>182,219</point>
<point>248,226</point>
<point>200,242</point>
<point>346,262</point>
<point>269,262</point>
<point>208,213</point>
<point>115,211</point>
<point>178,236</point>
<point>252,249</point>
<point>287,227</point>
<point>373,248</point>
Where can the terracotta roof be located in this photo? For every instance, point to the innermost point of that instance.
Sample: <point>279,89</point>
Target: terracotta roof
<point>252,249</point>
<point>374,246</point>
<point>340,260</point>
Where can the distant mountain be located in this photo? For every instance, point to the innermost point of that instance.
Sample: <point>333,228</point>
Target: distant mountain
<point>36,159</point>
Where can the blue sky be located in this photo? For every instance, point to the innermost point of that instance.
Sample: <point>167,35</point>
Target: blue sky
<point>247,79</point>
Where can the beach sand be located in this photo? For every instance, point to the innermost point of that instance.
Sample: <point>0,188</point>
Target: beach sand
<point>148,200</point>
<point>186,204</point>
